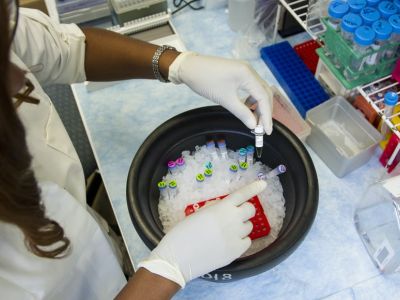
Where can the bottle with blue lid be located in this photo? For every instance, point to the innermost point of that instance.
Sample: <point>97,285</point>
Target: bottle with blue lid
<point>350,23</point>
<point>383,31</point>
<point>387,9</point>
<point>390,100</point>
<point>369,15</point>
<point>364,37</point>
<point>336,11</point>
<point>397,4</point>
<point>356,6</point>
<point>395,38</point>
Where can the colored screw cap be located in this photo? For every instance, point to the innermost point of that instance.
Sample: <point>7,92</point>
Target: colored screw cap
<point>369,15</point>
<point>242,151</point>
<point>382,29</point>
<point>395,22</point>
<point>172,184</point>
<point>208,172</point>
<point>387,9</point>
<point>351,22</point>
<point>372,2</point>
<point>171,164</point>
<point>397,4</point>
<point>357,5</point>
<point>209,165</point>
<point>180,161</point>
<point>233,168</point>
<point>250,149</point>
<point>391,98</point>
<point>162,185</point>
<point>200,177</point>
<point>337,9</point>
<point>244,165</point>
<point>364,36</point>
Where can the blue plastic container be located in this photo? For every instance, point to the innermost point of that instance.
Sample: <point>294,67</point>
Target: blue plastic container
<point>387,9</point>
<point>356,6</point>
<point>373,3</point>
<point>336,11</point>
<point>369,15</point>
<point>350,23</point>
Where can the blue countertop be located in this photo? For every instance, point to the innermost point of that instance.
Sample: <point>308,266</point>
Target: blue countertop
<point>331,262</point>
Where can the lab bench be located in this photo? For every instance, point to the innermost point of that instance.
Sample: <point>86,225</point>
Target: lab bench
<point>331,262</point>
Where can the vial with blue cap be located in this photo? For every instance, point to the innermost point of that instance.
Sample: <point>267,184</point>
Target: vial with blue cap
<point>350,23</point>
<point>355,6</point>
<point>369,15</point>
<point>364,37</point>
<point>242,155</point>
<point>383,31</point>
<point>336,11</point>
<point>387,9</point>
<point>395,38</point>
<point>250,154</point>
<point>397,4</point>
<point>390,100</point>
<point>212,150</point>
<point>222,148</point>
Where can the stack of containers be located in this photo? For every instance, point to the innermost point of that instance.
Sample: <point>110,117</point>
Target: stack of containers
<point>370,33</point>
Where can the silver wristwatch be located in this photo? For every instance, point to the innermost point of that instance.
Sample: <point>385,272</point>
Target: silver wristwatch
<point>155,60</point>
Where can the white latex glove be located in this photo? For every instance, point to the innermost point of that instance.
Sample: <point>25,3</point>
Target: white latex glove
<point>209,239</point>
<point>220,80</point>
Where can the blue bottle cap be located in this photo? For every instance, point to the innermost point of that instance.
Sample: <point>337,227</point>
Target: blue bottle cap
<point>221,143</point>
<point>250,149</point>
<point>391,98</point>
<point>373,2</point>
<point>351,22</point>
<point>397,4</point>
<point>387,9</point>
<point>364,36</point>
<point>337,9</point>
<point>395,22</point>
<point>242,151</point>
<point>370,15</point>
<point>357,5</point>
<point>382,29</point>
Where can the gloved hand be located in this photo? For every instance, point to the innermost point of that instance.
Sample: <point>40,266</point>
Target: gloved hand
<point>209,239</point>
<point>220,80</point>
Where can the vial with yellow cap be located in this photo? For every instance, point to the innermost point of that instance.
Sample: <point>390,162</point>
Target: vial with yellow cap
<point>173,189</point>
<point>233,173</point>
<point>200,180</point>
<point>208,173</point>
<point>162,186</point>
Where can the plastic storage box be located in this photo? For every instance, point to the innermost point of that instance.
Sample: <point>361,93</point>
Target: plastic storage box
<point>341,136</point>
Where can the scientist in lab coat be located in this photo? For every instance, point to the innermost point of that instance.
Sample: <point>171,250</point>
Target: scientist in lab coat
<point>51,246</point>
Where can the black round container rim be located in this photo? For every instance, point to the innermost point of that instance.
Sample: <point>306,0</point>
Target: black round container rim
<point>151,239</point>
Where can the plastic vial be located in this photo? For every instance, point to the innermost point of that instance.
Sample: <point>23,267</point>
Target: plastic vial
<point>200,180</point>
<point>259,134</point>
<point>350,23</point>
<point>397,4</point>
<point>383,30</point>
<point>242,155</point>
<point>377,220</point>
<point>233,173</point>
<point>395,39</point>
<point>208,173</point>
<point>261,176</point>
<point>208,165</point>
<point>356,6</point>
<point>336,10</point>
<point>210,145</point>
<point>250,154</point>
<point>222,149</point>
<point>243,166</point>
<point>373,3</point>
<point>162,186</point>
<point>387,9</point>
<point>275,172</point>
<point>390,101</point>
<point>173,189</point>
<point>369,15</point>
<point>364,37</point>
<point>180,163</point>
<point>172,167</point>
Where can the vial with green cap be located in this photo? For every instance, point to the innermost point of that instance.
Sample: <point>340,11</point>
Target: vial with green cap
<point>200,180</point>
<point>173,189</point>
<point>162,187</point>
<point>208,173</point>
<point>390,100</point>
<point>233,173</point>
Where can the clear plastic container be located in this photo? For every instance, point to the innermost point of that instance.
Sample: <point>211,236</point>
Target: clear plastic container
<point>377,220</point>
<point>364,37</point>
<point>369,15</point>
<point>336,11</point>
<point>387,9</point>
<point>356,6</point>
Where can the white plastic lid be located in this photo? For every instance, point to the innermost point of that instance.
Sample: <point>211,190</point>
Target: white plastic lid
<point>259,129</point>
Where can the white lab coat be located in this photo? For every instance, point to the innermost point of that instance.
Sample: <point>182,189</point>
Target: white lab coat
<point>55,54</point>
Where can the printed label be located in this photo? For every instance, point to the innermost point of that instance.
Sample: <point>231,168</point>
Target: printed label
<point>259,141</point>
<point>383,254</point>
